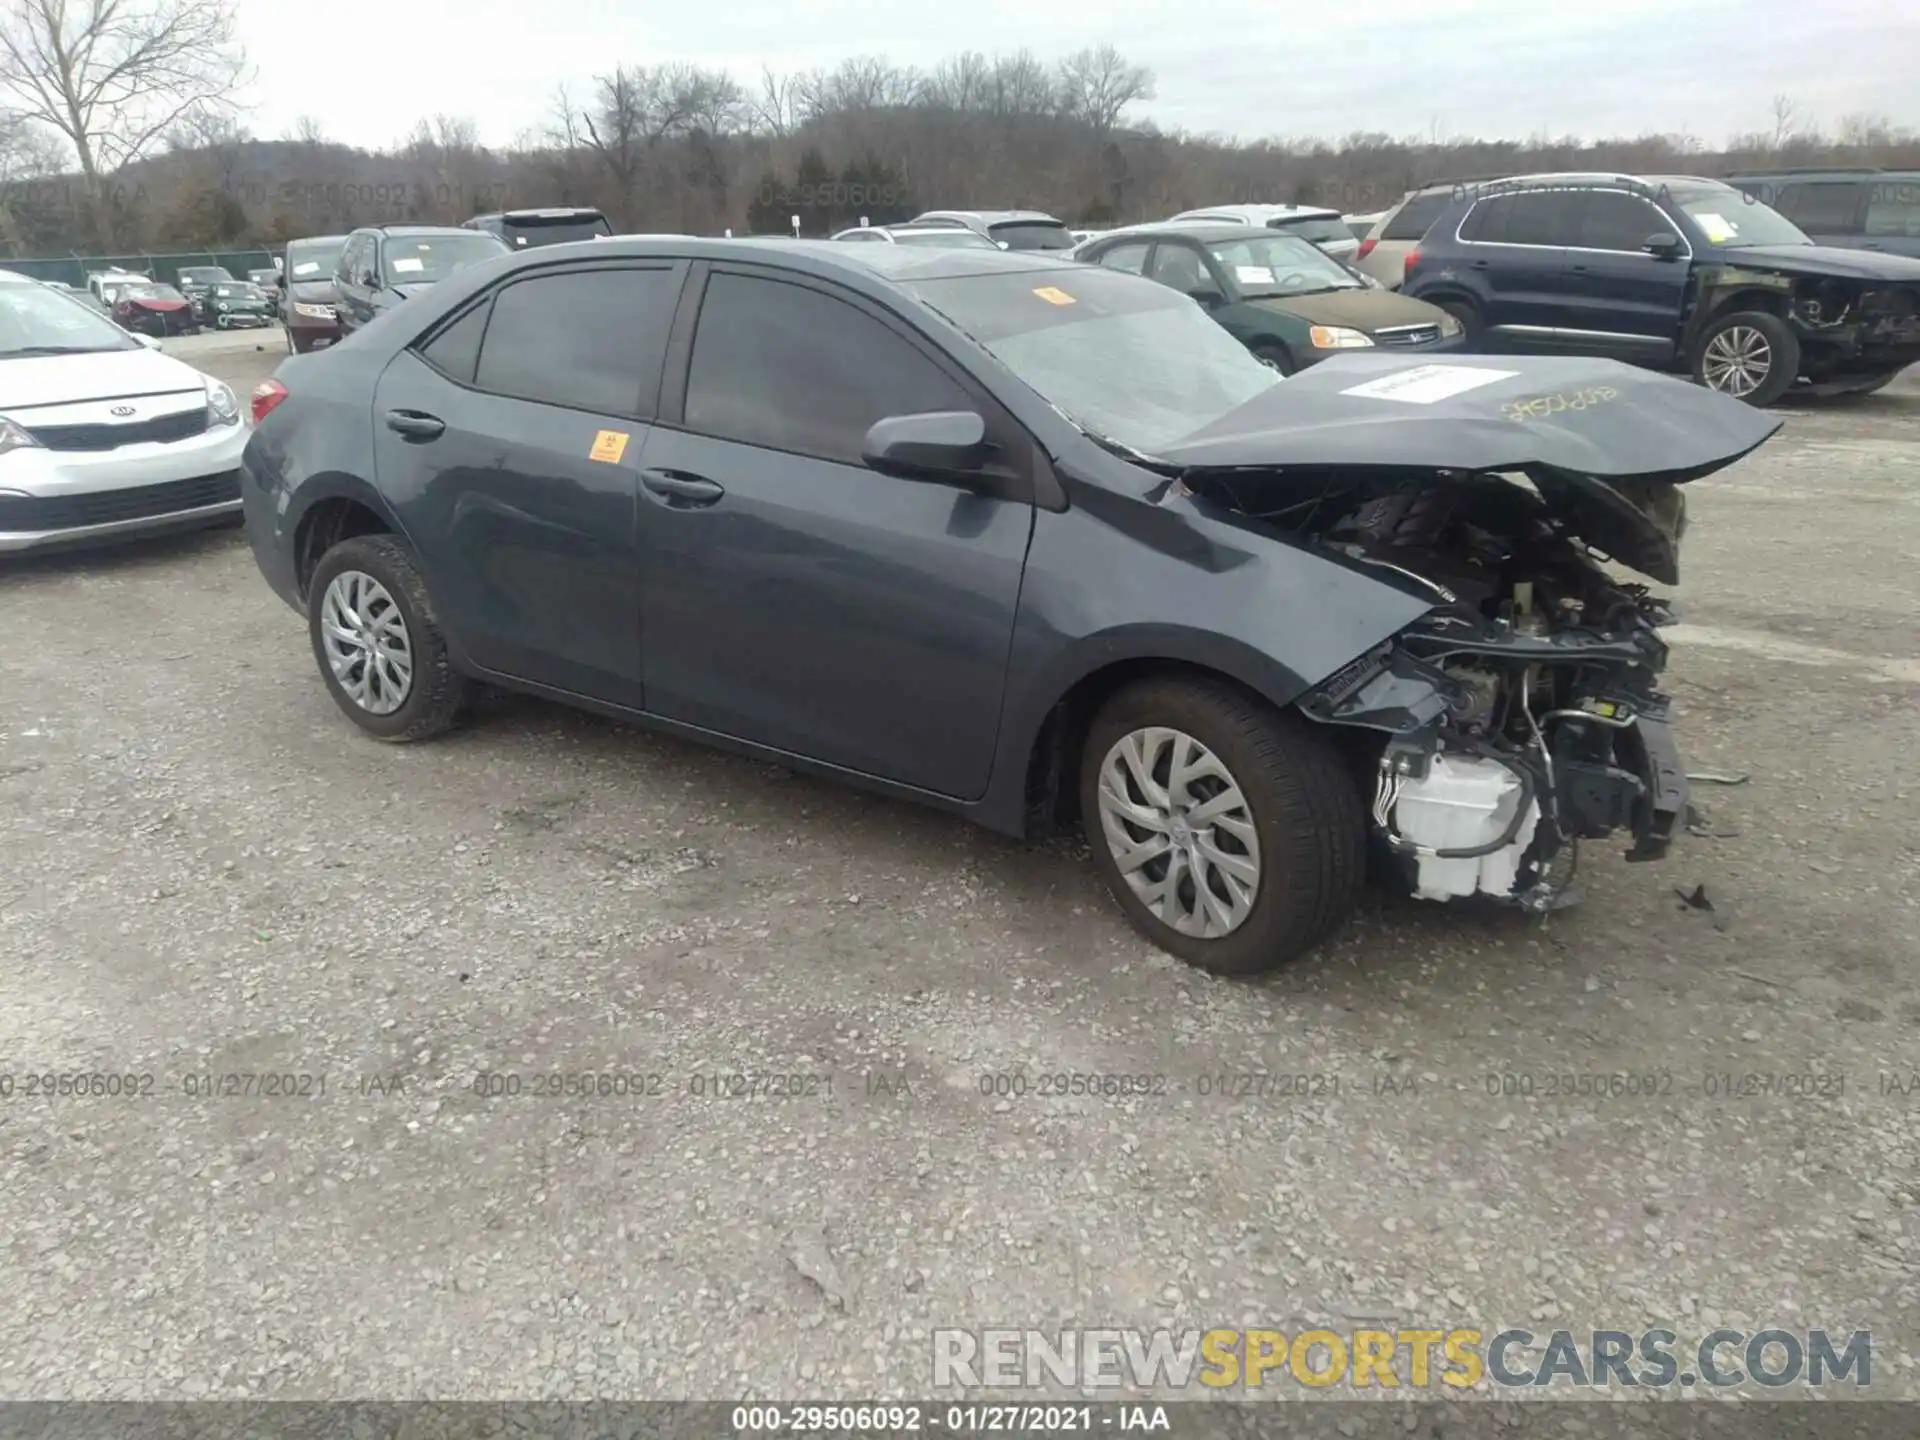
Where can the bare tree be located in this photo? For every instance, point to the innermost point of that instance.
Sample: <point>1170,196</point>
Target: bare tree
<point>1784,119</point>
<point>1020,85</point>
<point>306,130</point>
<point>857,85</point>
<point>216,139</point>
<point>960,83</point>
<point>635,108</point>
<point>1097,84</point>
<point>114,76</point>
<point>776,107</point>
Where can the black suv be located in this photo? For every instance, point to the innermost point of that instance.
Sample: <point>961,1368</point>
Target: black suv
<point>1856,209</point>
<point>383,265</point>
<point>1673,272</point>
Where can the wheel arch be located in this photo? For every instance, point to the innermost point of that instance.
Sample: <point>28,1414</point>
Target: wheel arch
<point>1052,752</point>
<point>338,508</point>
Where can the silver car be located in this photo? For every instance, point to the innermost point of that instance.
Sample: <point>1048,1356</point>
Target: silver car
<point>1324,227</point>
<point>102,437</point>
<point>1009,229</point>
<point>945,237</point>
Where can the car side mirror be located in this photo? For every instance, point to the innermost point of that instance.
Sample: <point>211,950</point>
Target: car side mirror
<point>942,446</point>
<point>1663,246</point>
<point>146,342</point>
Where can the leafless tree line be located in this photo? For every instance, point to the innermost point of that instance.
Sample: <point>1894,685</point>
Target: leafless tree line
<point>137,96</point>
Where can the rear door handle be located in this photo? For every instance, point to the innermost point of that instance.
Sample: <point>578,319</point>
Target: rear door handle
<point>1483,265</point>
<point>673,485</point>
<point>415,425</point>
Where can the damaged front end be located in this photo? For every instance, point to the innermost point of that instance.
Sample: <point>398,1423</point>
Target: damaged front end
<point>1523,713</point>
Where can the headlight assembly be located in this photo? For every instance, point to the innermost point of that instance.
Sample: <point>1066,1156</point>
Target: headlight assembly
<point>1339,337</point>
<point>222,407</point>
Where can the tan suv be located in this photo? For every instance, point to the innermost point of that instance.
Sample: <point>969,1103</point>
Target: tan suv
<point>1383,252</point>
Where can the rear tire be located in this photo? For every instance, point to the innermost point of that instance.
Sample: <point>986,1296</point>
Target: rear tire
<point>366,594</point>
<point>1749,355</point>
<point>1297,827</point>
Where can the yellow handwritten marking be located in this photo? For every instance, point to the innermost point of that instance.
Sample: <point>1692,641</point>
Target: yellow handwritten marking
<point>608,446</point>
<point>1541,406</point>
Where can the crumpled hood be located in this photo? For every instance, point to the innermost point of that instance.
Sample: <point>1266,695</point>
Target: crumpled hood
<point>1603,442</point>
<point>1824,260</point>
<point>314,292</point>
<point>1366,310</point>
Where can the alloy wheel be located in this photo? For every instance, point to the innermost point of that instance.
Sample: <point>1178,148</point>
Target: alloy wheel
<point>367,644</point>
<point>1738,361</point>
<point>1180,831</point>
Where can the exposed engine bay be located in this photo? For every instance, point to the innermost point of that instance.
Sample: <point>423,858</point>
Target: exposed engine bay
<point>1522,714</point>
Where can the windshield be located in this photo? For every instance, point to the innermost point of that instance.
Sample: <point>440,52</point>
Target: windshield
<point>314,259</point>
<point>424,259</point>
<point>151,292</point>
<point>203,274</point>
<point>1282,265</point>
<point>1032,234</point>
<point>947,239</point>
<point>1319,229</point>
<point>236,291</point>
<point>1125,358</point>
<point>521,233</point>
<point>1727,217</point>
<point>34,319</point>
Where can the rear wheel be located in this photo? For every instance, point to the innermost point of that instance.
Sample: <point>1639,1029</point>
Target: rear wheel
<point>1749,355</point>
<point>1230,833</point>
<point>379,647</point>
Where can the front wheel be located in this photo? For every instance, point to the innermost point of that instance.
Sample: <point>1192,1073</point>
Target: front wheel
<point>379,647</point>
<point>1274,357</point>
<point>1749,355</point>
<point>1230,833</point>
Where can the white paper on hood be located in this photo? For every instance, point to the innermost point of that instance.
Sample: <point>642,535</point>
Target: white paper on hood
<point>1426,384</point>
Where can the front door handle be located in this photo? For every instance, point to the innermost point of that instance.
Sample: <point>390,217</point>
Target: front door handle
<point>415,425</point>
<point>1483,264</point>
<point>679,485</point>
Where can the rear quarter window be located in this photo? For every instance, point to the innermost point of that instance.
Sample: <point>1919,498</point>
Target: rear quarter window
<point>1413,219</point>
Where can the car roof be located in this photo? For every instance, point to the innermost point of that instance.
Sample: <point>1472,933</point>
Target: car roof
<point>991,217</point>
<point>827,259</point>
<point>1208,231</point>
<point>416,229</point>
<point>317,239</point>
<point>1265,212</point>
<point>544,212</point>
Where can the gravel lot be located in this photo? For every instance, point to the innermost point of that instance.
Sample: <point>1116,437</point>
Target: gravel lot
<point>209,872</point>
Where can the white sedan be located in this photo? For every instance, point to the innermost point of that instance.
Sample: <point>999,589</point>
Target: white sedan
<point>102,437</point>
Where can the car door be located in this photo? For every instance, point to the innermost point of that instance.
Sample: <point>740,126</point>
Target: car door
<point>510,441</point>
<point>1621,301</point>
<point>1514,252</point>
<point>792,596</point>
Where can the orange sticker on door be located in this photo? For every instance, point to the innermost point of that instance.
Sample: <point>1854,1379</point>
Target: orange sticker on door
<point>1053,295</point>
<point>608,446</point>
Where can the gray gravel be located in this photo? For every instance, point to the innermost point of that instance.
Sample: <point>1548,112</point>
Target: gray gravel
<point>208,872</point>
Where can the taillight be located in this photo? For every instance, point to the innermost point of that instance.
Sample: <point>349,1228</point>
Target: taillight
<point>1366,249</point>
<point>266,395</point>
<point>1413,259</point>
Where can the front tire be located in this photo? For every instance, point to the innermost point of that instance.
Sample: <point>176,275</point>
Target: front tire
<point>1230,833</point>
<point>378,644</point>
<point>1749,355</point>
<point>1274,357</point>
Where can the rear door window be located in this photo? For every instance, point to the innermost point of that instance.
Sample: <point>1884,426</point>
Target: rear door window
<point>1613,220</point>
<point>1832,206</point>
<point>586,339</point>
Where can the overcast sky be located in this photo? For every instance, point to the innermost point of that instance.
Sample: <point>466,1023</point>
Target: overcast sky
<point>1250,68</point>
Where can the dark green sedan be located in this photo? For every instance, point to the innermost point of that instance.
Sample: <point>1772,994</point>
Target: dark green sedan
<point>1282,297</point>
<point>234,305</point>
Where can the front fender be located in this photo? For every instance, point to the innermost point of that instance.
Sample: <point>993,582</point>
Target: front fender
<point>1117,578</point>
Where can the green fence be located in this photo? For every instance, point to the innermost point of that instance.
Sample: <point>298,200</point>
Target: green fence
<point>74,269</point>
